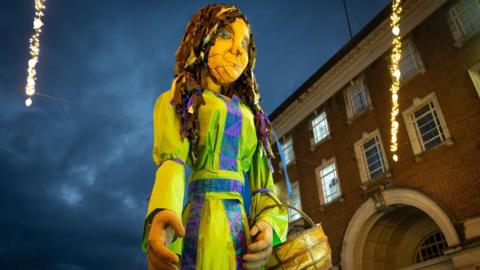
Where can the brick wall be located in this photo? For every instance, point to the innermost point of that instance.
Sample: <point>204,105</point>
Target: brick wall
<point>449,174</point>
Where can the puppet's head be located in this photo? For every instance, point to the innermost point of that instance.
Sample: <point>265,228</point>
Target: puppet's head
<point>217,44</point>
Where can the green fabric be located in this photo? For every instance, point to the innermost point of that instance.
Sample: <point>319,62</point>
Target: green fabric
<point>168,189</point>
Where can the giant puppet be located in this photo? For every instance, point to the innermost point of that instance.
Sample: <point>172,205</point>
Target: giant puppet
<point>211,121</point>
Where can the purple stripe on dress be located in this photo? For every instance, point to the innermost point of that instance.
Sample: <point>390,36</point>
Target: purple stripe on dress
<point>231,135</point>
<point>190,243</point>
<point>262,190</point>
<point>235,221</point>
<point>196,196</point>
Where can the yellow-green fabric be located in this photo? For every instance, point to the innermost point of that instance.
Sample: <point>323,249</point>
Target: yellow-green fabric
<point>215,244</point>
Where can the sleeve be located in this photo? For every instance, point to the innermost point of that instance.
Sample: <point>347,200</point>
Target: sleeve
<point>170,152</point>
<point>264,201</point>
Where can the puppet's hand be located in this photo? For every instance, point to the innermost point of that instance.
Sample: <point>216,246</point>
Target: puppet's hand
<point>261,249</point>
<point>164,226</point>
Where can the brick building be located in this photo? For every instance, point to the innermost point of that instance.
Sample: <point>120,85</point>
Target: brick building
<point>422,212</point>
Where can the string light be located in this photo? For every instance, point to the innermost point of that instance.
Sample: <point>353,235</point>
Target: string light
<point>34,50</point>
<point>396,75</point>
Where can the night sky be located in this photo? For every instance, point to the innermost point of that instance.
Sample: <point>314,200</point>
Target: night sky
<point>76,167</point>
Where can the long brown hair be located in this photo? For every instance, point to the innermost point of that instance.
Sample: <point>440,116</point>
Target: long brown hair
<point>191,69</point>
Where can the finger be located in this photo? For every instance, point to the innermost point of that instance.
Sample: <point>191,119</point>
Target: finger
<point>171,219</point>
<point>254,230</point>
<point>156,264</point>
<point>258,256</point>
<point>158,250</point>
<point>259,245</point>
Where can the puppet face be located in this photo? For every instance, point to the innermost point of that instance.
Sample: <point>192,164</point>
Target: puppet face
<point>228,57</point>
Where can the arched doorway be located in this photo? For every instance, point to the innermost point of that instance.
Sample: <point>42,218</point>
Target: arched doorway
<point>390,238</point>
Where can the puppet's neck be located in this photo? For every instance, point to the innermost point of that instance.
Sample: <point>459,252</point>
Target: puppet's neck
<point>212,86</point>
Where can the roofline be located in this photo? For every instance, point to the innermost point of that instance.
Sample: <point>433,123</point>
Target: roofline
<point>364,32</point>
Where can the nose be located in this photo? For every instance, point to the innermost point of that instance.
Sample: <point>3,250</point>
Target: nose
<point>237,46</point>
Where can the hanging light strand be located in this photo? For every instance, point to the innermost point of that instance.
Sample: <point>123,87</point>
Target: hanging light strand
<point>34,51</point>
<point>396,74</point>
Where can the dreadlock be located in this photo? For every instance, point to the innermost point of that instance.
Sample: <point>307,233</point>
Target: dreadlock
<point>191,69</point>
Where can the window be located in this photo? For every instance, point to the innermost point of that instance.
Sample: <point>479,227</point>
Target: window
<point>319,127</point>
<point>426,126</point>
<point>287,147</point>
<point>327,182</point>
<point>431,247</point>
<point>356,97</point>
<point>410,63</point>
<point>295,201</point>
<point>465,19</point>
<point>370,156</point>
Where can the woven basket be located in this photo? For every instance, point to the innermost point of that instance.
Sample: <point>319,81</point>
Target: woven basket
<point>307,249</point>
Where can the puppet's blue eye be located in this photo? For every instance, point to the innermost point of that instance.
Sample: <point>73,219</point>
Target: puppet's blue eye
<point>224,34</point>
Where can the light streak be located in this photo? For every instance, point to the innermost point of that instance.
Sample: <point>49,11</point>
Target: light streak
<point>395,57</point>
<point>34,51</point>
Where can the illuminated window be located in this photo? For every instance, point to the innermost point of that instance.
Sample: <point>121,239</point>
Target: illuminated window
<point>287,147</point>
<point>410,63</point>
<point>319,127</point>
<point>465,18</point>
<point>356,98</point>
<point>328,183</point>
<point>295,201</point>
<point>371,156</point>
<point>431,247</point>
<point>426,126</point>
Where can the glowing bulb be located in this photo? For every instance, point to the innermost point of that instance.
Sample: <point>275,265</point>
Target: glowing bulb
<point>397,73</point>
<point>32,63</point>
<point>396,30</point>
<point>28,102</point>
<point>395,157</point>
<point>37,24</point>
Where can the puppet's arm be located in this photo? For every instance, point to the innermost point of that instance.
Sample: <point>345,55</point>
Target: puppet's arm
<point>263,204</point>
<point>170,153</point>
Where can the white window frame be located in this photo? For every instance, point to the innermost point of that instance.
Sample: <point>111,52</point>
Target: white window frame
<point>313,139</point>
<point>458,31</point>
<point>474,73</point>
<point>361,158</point>
<point>356,85</point>
<point>423,246</point>
<point>320,183</point>
<point>415,140</point>
<point>288,140</point>
<point>409,50</point>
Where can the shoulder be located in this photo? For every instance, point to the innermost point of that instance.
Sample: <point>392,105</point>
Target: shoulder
<point>163,102</point>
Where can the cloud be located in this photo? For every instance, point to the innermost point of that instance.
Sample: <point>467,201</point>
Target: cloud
<point>75,172</point>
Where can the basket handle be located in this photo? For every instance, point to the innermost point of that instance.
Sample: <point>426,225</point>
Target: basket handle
<point>286,205</point>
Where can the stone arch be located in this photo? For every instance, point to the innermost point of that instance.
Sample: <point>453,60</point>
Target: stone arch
<point>367,215</point>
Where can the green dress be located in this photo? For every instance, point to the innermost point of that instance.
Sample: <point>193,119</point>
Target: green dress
<point>217,229</point>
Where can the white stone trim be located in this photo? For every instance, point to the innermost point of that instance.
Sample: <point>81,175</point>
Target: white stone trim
<point>474,73</point>
<point>472,228</point>
<point>352,64</point>
<point>401,196</point>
